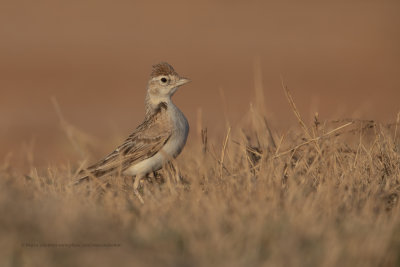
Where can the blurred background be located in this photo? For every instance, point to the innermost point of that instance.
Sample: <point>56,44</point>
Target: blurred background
<point>338,58</point>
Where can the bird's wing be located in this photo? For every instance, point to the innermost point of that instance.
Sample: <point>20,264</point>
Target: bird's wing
<point>148,138</point>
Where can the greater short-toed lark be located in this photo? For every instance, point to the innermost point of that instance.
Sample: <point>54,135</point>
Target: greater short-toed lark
<point>160,137</point>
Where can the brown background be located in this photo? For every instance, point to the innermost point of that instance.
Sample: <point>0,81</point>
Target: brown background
<point>340,58</point>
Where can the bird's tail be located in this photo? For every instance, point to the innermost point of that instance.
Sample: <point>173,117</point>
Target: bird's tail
<point>87,174</point>
<point>83,176</point>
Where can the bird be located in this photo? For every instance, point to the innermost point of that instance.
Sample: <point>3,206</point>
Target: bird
<point>158,139</point>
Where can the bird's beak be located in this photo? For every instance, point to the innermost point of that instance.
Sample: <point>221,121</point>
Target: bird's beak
<point>182,81</point>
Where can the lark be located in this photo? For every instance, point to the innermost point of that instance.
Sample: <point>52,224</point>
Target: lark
<point>158,139</point>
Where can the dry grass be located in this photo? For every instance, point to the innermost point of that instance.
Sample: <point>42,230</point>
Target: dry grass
<point>323,195</point>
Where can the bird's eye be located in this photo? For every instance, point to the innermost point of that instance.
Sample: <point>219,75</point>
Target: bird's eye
<point>164,80</point>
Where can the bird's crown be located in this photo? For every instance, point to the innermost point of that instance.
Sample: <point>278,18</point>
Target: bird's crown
<point>163,68</point>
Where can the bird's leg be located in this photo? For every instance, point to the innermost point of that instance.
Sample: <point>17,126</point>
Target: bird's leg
<point>174,171</point>
<point>135,188</point>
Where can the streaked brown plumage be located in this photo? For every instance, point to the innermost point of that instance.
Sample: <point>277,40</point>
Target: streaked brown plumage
<point>147,139</point>
<point>163,68</point>
<point>160,137</point>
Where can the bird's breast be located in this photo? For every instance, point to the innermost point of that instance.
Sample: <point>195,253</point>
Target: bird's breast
<point>180,132</point>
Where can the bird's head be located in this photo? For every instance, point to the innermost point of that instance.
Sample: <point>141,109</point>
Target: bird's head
<point>164,81</point>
